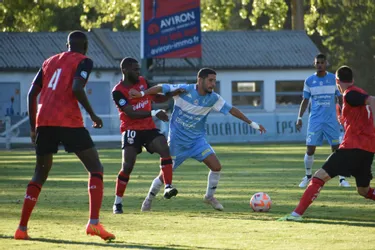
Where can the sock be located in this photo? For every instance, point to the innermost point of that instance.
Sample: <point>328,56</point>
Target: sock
<point>213,180</point>
<point>122,181</point>
<point>310,194</point>
<point>166,168</point>
<point>370,194</point>
<point>155,188</point>
<point>96,195</point>
<point>341,178</point>
<point>309,160</point>
<point>31,197</point>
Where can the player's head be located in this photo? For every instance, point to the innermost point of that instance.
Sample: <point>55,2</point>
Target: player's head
<point>344,78</point>
<point>130,69</point>
<point>207,79</point>
<point>77,42</point>
<point>320,62</point>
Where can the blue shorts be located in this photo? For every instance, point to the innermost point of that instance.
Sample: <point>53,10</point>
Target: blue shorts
<point>198,151</point>
<point>316,132</point>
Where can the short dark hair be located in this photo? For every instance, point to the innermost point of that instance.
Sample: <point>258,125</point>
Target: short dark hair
<point>77,38</point>
<point>204,72</point>
<point>127,61</point>
<point>321,56</point>
<point>344,74</point>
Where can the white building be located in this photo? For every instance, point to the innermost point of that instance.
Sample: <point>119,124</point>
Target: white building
<point>261,72</point>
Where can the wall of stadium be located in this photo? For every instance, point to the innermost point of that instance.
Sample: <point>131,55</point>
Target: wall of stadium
<point>220,129</point>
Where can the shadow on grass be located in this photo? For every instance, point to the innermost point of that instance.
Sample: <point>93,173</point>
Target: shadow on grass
<point>114,244</point>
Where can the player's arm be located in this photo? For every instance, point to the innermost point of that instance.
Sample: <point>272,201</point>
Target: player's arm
<point>304,104</point>
<point>158,98</point>
<point>80,79</point>
<point>122,103</point>
<point>174,89</point>
<point>223,107</point>
<point>355,99</point>
<point>32,97</point>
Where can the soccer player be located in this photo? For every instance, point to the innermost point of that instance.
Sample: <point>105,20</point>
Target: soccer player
<point>187,129</point>
<point>138,130</point>
<point>356,152</point>
<point>60,83</point>
<point>321,89</point>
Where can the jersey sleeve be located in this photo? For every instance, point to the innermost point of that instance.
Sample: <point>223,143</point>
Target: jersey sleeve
<point>84,69</point>
<point>355,98</point>
<point>306,90</point>
<point>38,79</point>
<point>166,88</point>
<point>222,106</point>
<point>119,98</point>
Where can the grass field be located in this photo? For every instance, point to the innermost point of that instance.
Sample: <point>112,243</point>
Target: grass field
<point>338,219</point>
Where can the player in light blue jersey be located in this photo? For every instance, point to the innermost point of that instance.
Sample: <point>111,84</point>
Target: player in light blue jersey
<point>187,129</point>
<point>321,90</point>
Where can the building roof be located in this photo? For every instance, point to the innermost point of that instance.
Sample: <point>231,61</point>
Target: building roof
<point>221,49</point>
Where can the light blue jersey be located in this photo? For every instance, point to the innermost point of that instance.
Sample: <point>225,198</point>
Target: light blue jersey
<point>322,92</point>
<point>187,129</point>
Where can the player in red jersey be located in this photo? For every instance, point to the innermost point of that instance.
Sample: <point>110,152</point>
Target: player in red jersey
<point>138,130</point>
<point>57,119</point>
<point>356,152</point>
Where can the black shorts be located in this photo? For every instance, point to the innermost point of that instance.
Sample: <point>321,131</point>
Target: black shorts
<point>73,139</point>
<point>139,139</point>
<point>351,162</point>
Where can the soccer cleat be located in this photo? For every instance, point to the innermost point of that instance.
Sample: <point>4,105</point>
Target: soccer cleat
<point>98,230</point>
<point>21,235</point>
<point>214,203</point>
<point>146,205</point>
<point>305,181</point>
<point>290,217</point>
<point>344,183</point>
<point>117,208</point>
<point>169,192</point>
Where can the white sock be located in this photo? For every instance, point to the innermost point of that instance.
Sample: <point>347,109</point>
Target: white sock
<point>341,178</point>
<point>309,160</point>
<point>155,188</point>
<point>212,181</point>
<point>118,200</point>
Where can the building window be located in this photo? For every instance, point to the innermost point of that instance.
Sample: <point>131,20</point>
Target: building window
<point>247,93</point>
<point>288,93</point>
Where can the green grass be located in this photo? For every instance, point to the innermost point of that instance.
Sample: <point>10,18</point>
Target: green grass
<point>338,219</point>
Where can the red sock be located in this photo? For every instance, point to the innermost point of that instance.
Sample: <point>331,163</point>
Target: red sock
<point>166,168</point>
<point>311,193</point>
<point>371,194</point>
<point>122,181</point>
<point>31,197</point>
<point>96,194</point>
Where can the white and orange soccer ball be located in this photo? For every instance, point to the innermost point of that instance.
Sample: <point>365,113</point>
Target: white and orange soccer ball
<point>260,202</point>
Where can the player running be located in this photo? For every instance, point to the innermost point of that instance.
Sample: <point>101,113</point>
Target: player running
<point>58,119</point>
<point>356,152</point>
<point>321,88</point>
<point>138,130</point>
<point>187,129</point>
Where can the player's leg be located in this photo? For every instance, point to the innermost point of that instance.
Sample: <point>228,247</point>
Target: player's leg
<point>332,134</point>
<point>314,138</point>
<point>78,141</point>
<point>180,155</point>
<point>337,163</point>
<point>158,143</point>
<point>363,175</point>
<point>46,144</point>
<point>129,157</point>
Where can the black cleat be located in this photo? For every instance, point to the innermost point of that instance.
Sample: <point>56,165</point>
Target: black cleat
<point>117,209</point>
<point>169,192</point>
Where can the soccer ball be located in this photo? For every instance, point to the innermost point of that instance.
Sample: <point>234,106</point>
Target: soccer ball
<point>260,202</point>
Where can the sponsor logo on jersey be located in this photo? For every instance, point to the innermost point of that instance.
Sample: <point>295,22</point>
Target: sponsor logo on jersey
<point>139,105</point>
